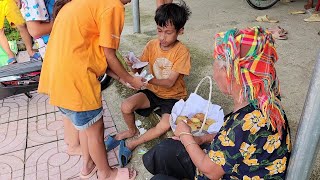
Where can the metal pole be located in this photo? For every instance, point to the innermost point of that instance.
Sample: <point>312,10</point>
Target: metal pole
<point>136,16</point>
<point>307,140</point>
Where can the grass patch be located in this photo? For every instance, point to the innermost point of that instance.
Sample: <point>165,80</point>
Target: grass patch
<point>11,33</point>
<point>144,18</point>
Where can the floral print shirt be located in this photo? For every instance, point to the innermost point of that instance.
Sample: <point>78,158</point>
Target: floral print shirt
<point>248,149</point>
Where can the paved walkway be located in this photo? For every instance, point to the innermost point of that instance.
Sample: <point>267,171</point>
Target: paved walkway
<point>31,140</point>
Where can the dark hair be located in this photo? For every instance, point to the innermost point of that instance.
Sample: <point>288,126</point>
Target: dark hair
<point>58,5</point>
<point>177,14</point>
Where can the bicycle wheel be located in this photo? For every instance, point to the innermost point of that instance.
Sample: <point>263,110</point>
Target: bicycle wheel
<point>262,4</point>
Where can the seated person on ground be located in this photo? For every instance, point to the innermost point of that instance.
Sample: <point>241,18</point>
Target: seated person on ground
<point>169,62</point>
<point>254,141</point>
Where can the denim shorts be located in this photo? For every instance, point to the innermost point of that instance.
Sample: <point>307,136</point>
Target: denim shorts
<point>82,120</point>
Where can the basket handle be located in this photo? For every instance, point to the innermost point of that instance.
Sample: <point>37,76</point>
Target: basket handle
<point>209,101</point>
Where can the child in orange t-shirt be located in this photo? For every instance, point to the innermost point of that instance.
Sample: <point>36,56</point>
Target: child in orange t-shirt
<point>169,62</point>
<point>82,46</point>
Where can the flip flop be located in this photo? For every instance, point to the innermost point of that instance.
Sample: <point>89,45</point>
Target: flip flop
<point>313,18</point>
<point>12,60</point>
<point>265,18</point>
<point>124,154</point>
<point>297,12</point>
<point>111,143</point>
<point>93,171</point>
<point>36,57</point>
<point>279,36</point>
<point>124,174</point>
<point>277,29</point>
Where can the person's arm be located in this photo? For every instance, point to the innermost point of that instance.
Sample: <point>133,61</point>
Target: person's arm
<point>119,70</point>
<point>39,28</point>
<point>207,138</point>
<point>116,77</point>
<point>198,157</point>
<point>202,160</point>
<point>167,83</point>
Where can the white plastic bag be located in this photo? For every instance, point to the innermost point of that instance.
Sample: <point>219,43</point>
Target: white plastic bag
<point>196,104</point>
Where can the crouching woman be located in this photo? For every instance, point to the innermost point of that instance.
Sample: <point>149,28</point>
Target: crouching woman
<point>254,141</point>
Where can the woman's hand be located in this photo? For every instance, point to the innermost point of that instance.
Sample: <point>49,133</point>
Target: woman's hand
<point>197,139</point>
<point>182,127</point>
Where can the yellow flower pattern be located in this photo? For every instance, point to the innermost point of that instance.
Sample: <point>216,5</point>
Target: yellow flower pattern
<point>288,142</point>
<point>225,140</point>
<point>251,162</point>
<point>278,166</point>
<point>248,149</point>
<point>217,157</point>
<point>273,143</point>
<point>254,121</point>
<point>235,168</point>
<point>253,178</point>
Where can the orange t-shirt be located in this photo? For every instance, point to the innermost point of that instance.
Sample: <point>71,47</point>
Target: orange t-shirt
<point>75,58</point>
<point>162,63</point>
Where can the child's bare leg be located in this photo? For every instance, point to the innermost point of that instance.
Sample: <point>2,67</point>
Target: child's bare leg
<point>137,101</point>
<point>26,37</point>
<point>162,127</point>
<point>97,150</point>
<point>88,163</point>
<point>71,137</point>
<point>5,45</point>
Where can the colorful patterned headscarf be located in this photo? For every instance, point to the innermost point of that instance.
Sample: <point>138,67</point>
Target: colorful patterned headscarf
<point>255,72</point>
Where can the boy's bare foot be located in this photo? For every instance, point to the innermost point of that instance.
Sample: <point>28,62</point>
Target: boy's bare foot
<point>127,134</point>
<point>74,151</point>
<point>87,168</point>
<point>121,173</point>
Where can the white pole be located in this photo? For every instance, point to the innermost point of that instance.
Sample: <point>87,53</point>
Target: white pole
<point>307,140</point>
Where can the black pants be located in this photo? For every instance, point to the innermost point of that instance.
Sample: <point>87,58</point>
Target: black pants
<point>169,160</point>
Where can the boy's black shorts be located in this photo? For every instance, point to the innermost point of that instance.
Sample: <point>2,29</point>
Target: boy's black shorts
<point>165,105</point>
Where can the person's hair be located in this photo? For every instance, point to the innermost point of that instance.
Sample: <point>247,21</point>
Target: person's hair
<point>58,5</point>
<point>177,14</point>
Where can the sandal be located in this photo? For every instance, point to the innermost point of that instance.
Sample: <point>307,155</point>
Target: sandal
<point>36,57</point>
<point>12,61</point>
<point>277,29</point>
<point>280,36</point>
<point>111,143</point>
<point>313,18</point>
<point>265,18</point>
<point>124,174</point>
<point>124,154</point>
<point>298,12</point>
<point>93,171</point>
